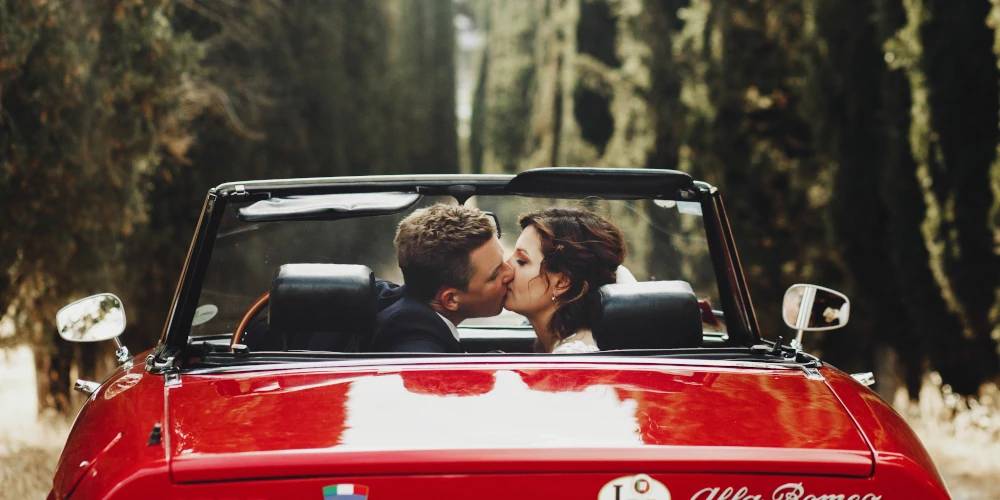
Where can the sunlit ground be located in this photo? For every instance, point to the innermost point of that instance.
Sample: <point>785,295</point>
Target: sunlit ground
<point>962,435</point>
<point>29,445</point>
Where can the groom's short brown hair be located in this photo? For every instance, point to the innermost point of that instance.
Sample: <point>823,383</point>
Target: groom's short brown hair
<point>433,246</point>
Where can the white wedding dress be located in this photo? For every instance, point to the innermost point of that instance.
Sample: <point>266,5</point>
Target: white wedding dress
<point>579,342</point>
<point>574,347</point>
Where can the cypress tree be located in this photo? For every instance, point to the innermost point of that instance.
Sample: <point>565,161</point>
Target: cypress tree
<point>944,51</point>
<point>94,101</point>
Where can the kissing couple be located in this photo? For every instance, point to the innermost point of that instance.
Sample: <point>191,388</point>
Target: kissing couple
<point>454,269</point>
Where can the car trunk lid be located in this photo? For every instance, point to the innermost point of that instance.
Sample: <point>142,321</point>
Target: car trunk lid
<point>552,418</point>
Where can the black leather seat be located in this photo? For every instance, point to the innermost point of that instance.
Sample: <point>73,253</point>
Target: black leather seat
<point>648,315</point>
<point>320,307</point>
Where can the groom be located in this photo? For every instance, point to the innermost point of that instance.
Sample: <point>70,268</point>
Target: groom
<point>454,269</point>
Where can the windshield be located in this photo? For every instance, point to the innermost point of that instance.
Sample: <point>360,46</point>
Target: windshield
<point>665,241</point>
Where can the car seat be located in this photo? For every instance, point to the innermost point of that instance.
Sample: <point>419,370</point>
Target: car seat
<point>319,307</point>
<point>648,315</point>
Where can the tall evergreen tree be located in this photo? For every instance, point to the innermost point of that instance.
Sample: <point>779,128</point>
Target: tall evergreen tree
<point>304,89</point>
<point>118,116</point>
<point>945,52</point>
<point>822,125</point>
<point>93,102</point>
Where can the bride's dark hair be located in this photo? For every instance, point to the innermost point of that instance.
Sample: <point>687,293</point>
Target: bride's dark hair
<point>587,249</point>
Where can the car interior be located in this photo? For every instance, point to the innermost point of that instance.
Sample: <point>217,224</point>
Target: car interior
<point>313,257</point>
<point>306,300</point>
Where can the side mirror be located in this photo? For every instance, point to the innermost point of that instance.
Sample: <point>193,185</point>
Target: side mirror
<point>811,308</point>
<point>92,319</point>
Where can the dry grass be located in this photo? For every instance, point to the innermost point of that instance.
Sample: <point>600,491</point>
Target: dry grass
<point>962,434</point>
<point>27,465</point>
<point>29,444</point>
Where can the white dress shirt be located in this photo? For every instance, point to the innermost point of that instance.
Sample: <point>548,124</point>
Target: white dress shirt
<point>451,326</point>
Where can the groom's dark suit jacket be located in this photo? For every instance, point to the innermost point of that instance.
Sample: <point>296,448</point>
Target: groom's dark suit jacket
<point>405,324</point>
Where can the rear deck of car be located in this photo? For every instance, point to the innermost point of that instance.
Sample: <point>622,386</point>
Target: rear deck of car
<point>463,418</point>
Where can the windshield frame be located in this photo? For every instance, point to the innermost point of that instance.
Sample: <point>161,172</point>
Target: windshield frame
<point>735,298</point>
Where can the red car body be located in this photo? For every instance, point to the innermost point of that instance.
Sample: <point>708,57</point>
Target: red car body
<point>231,435</point>
<point>494,427</point>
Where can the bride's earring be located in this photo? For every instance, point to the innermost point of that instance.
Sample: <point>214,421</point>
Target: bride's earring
<point>553,297</point>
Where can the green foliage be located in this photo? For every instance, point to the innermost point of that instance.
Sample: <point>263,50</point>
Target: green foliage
<point>87,117</point>
<point>92,103</point>
<point>848,142</point>
<point>299,89</point>
<point>953,137</point>
<point>117,116</point>
<point>744,130</point>
<point>857,147</point>
<point>993,22</point>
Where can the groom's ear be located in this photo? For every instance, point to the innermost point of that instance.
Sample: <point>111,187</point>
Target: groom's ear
<point>448,298</point>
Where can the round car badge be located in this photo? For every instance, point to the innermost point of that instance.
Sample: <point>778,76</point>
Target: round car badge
<point>203,314</point>
<point>637,487</point>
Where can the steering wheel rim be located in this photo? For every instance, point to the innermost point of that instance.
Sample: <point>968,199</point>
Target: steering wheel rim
<point>255,308</point>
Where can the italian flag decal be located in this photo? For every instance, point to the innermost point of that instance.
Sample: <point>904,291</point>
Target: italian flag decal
<point>345,492</point>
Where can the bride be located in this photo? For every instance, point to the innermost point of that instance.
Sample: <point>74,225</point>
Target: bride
<point>561,259</point>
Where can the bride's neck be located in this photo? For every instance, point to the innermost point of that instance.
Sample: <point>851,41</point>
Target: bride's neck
<point>540,323</point>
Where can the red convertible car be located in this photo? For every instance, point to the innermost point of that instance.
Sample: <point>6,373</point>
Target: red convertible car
<point>684,400</point>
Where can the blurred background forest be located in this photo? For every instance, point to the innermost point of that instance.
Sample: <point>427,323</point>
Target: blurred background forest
<point>855,142</point>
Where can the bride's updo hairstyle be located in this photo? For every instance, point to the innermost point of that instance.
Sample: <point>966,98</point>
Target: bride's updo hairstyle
<point>585,247</point>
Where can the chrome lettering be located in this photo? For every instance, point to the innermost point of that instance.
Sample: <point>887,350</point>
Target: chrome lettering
<point>708,492</point>
<point>726,494</point>
<point>789,491</point>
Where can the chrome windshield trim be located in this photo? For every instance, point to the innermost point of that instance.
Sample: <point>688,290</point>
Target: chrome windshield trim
<point>505,361</point>
<point>395,179</point>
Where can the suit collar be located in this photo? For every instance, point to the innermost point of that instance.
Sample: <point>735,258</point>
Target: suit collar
<point>451,326</point>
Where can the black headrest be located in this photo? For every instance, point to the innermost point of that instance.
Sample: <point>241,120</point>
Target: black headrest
<point>336,298</point>
<point>648,315</point>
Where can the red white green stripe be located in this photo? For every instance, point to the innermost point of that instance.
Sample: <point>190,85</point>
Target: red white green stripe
<point>345,492</point>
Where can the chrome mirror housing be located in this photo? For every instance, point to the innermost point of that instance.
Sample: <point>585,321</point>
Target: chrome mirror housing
<point>812,308</point>
<point>93,319</point>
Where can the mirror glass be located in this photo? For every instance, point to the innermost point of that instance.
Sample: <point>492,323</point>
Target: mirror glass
<point>95,318</point>
<point>815,308</point>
